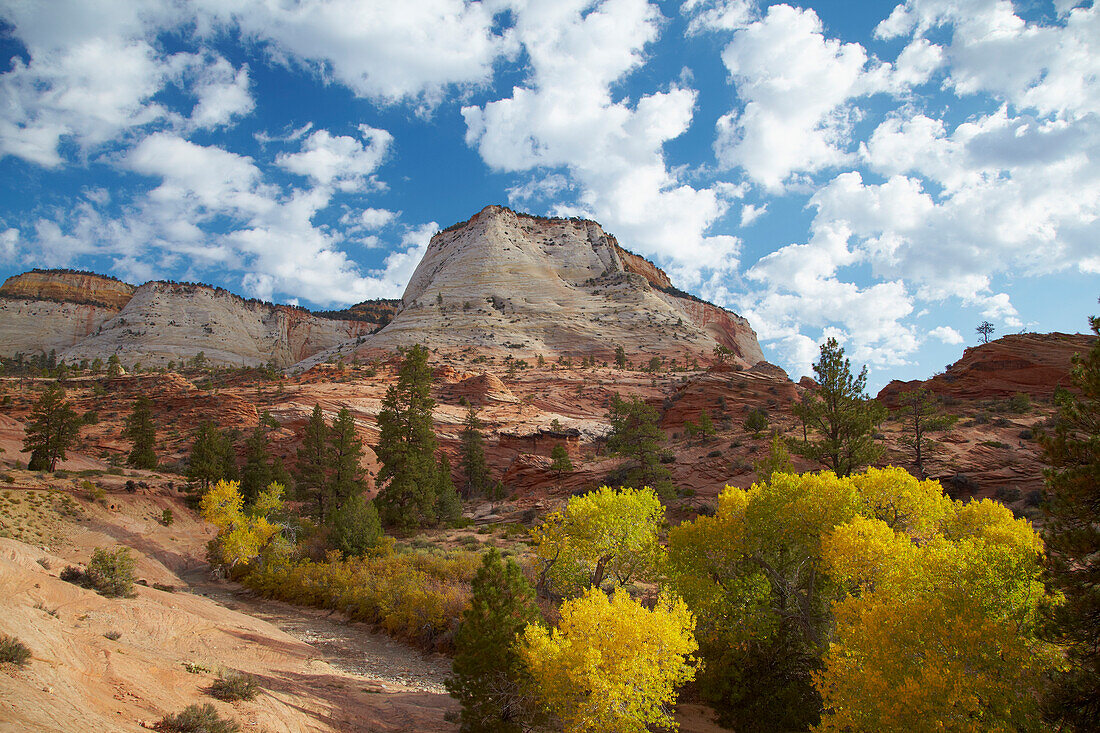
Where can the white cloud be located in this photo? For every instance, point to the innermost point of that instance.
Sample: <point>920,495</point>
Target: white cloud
<point>222,94</point>
<point>946,334</point>
<point>376,218</point>
<point>566,116</point>
<point>795,85</point>
<point>750,213</point>
<point>339,160</point>
<point>9,239</point>
<point>718,15</point>
<point>383,50</point>
<point>540,187</point>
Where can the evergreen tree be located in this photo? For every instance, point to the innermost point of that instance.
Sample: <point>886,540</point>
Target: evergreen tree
<point>345,450</point>
<point>354,528</point>
<point>406,447</point>
<point>985,329</point>
<point>212,458</point>
<point>635,435</point>
<point>52,427</point>
<point>920,416</point>
<point>114,366</point>
<point>448,507</point>
<point>257,473</point>
<point>560,462</point>
<point>1072,537</point>
<point>842,413</point>
<point>488,677</point>
<point>620,356</point>
<point>474,467</point>
<point>142,433</point>
<point>778,460</point>
<point>311,468</point>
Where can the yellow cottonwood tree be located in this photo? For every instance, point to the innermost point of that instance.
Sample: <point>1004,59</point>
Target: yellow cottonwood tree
<point>611,665</point>
<point>603,535</point>
<point>939,634</point>
<point>241,536</point>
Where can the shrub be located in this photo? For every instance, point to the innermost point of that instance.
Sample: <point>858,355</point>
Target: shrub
<point>13,651</point>
<point>233,685</point>
<point>110,573</point>
<point>113,635</point>
<point>166,517</point>
<point>1019,402</point>
<point>72,574</point>
<point>757,421</point>
<point>196,719</point>
<point>415,596</point>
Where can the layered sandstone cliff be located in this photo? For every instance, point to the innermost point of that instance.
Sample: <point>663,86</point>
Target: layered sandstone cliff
<point>85,316</point>
<point>166,322</point>
<point>556,288</point>
<point>1029,363</point>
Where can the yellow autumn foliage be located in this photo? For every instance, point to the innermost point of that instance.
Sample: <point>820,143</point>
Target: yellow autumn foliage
<point>602,535</point>
<point>611,665</point>
<point>242,536</point>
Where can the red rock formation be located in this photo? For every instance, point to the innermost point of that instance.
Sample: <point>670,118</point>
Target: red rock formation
<point>67,286</point>
<point>1031,363</point>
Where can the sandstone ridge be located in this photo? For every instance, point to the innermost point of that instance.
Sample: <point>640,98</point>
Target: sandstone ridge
<point>86,316</point>
<point>552,287</point>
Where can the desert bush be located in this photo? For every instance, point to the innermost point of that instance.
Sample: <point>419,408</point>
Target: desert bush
<point>72,574</point>
<point>166,517</point>
<point>233,685</point>
<point>415,596</point>
<point>13,651</point>
<point>196,719</point>
<point>757,421</point>
<point>110,573</point>
<point>113,635</point>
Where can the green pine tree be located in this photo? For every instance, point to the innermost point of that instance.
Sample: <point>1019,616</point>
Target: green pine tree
<point>920,416</point>
<point>841,413</point>
<point>448,507</point>
<point>212,458</point>
<point>560,463</point>
<point>474,467</point>
<point>257,474</point>
<point>1072,535</point>
<point>636,435</point>
<point>620,356</point>
<point>52,427</point>
<point>488,677</point>
<point>345,450</point>
<point>142,433</point>
<point>114,366</point>
<point>406,447</point>
<point>354,528</point>
<point>311,468</point>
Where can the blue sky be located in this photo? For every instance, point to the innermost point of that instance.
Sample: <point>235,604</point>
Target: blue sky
<point>889,174</point>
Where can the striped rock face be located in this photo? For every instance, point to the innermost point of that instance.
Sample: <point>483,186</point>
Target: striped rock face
<point>531,286</point>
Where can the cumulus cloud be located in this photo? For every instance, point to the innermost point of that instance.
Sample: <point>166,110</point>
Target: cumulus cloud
<point>340,160</point>
<point>795,85</point>
<point>946,334</point>
<point>566,116</point>
<point>222,93</point>
<point>383,50</point>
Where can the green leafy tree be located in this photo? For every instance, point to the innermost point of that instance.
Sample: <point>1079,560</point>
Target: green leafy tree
<point>52,427</point>
<point>488,676</point>
<point>620,356</point>
<point>142,433</point>
<point>406,448</point>
<point>636,436</point>
<point>354,527</point>
<point>311,467</point>
<point>345,450</point>
<point>1072,535</point>
<point>841,413</point>
<point>212,458</point>
<point>473,464</point>
<point>921,417</point>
